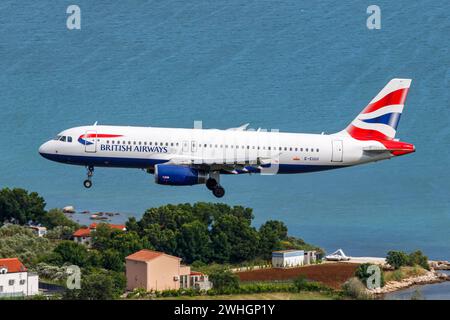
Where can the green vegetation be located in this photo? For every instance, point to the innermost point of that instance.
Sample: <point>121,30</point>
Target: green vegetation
<point>224,280</point>
<point>21,242</point>
<point>404,272</point>
<point>362,274</point>
<point>17,205</point>
<point>399,259</point>
<point>355,289</point>
<point>232,288</point>
<point>98,285</point>
<point>212,233</point>
<point>262,296</point>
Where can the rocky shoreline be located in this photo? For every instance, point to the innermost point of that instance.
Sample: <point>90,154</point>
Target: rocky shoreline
<point>440,265</point>
<point>430,277</point>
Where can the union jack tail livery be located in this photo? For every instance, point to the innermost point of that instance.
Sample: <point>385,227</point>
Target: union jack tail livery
<point>379,119</point>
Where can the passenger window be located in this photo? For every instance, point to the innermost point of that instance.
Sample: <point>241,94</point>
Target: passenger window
<point>317,150</point>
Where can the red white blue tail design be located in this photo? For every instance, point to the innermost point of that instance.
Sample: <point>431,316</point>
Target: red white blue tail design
<point>379,119</point>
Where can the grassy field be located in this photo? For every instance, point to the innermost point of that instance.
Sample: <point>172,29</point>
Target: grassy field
<point>262,296</point>
<point>403,273</point>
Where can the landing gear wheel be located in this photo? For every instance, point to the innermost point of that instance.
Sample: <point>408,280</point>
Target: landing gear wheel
<point>218,191</point>
<point>211,183</point>
<point>87,184</point>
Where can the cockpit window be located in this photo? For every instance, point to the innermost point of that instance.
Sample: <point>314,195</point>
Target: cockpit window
<point>57,137</point>
<point>69,139</point>
<point>63,139</point>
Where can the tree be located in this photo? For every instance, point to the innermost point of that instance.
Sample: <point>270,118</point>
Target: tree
<point>70,252</point>
<point>125,243</point>
<point>193,242</point>
<point>17,205</point>
<point>55,217</point>
<point>98,285</point>
<point>224,279</point>
<point>164,240</point>
<point>271,234</point>
<point>111,260</point>
<point>418,258</point>
<point>397,259</point>
<point>60,233</point>
<point>21,242</point>
<point>242,238</point>
<point>220,247</point>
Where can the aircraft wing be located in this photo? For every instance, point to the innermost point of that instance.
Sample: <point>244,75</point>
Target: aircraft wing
<point>217,164</point>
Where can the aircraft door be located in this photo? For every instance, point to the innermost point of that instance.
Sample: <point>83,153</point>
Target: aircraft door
<point>90,141</point>
<point>337,151</point>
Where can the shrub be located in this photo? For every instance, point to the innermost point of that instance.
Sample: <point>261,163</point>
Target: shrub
<point>355,289</point>
<point>397,259</point>
<point>418,258</point>
<point>363,275</point>
<point>60,233</point>
<point>21,242</point>
<point>224,280</point>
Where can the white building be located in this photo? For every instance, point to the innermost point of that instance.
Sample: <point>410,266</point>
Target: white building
<point>310,257</point>
<point>15,280</point>
<point>288,258</point>
<point>39,231</point>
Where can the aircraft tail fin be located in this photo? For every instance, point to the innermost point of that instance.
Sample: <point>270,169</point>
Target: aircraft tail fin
<point>380,118</point>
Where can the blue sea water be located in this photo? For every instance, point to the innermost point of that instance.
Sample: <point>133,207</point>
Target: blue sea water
<point>436,291</point>
<point>300,66</point>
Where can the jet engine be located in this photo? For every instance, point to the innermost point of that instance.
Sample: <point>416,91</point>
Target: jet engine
<point>178,175</point>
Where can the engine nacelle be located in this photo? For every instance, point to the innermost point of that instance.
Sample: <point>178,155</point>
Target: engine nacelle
<point>178,175</point>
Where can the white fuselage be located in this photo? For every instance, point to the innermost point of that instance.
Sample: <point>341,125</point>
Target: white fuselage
<point>143,147</point>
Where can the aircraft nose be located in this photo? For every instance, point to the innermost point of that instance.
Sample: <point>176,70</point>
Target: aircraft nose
<point>44,149</point>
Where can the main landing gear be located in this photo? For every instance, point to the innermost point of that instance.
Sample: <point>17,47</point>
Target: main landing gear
<point>88,182</point>
<point>217,190</point>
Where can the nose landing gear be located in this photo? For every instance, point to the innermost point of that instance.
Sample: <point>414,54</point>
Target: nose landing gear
<point>88,182</point>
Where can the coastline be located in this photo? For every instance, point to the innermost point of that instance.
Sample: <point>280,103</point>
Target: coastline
<point>431,277</point>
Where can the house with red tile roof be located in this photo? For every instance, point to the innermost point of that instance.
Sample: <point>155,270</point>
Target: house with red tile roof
<point>84,236</point>
<point>158,271</point>
<point>15,280</point>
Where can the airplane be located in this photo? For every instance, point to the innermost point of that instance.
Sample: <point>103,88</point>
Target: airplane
<point>181,157</point>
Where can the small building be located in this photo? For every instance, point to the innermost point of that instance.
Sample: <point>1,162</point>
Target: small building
<point>200,281</point>
<point>310,257</point>
<point>38,230</point>
<point>83,235</point>
<point>15,280</point>
<point>157,271</point>
<point>288,258</point>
